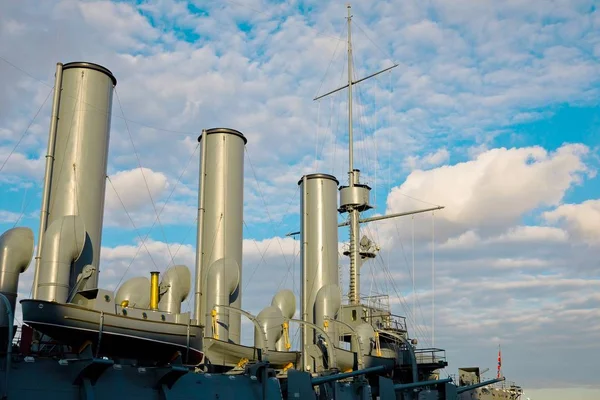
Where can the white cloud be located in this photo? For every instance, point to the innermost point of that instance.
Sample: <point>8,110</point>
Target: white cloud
<point>133,188</point>
<point>583,220</point>
<point>531,234</point>
<point>497,187</point>
<point>517,234</point>
<point>439,157</point>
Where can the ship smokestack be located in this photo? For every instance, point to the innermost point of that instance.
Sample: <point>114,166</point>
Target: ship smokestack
<point>219,244</point>
<point>318,248</point>
<point>76,162</point>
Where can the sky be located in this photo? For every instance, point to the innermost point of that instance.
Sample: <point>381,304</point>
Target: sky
<point>492,112</point>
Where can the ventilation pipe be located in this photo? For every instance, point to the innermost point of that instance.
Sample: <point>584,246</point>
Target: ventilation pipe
<point>16,250</point>
<point>327,304</point>
<point>271,321</point>
<point>220,216</point>
<point>75,183</point>
<point>134,292</point>
<point>64,241</point>
<point>224,278</point>
<point>285,300</point>
<point>175,287</point>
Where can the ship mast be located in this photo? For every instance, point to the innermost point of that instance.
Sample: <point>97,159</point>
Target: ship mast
<point>354,198</point>
<point>354,290</point>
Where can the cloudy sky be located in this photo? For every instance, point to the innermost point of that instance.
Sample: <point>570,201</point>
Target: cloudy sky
<point>492,112</point>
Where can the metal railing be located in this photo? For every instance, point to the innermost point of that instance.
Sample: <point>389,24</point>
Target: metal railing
<point>430,355</point>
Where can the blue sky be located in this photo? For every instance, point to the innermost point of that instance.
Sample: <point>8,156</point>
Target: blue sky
<point>492,112</point>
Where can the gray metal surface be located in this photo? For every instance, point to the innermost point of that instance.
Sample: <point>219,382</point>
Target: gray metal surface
<point>136,291</point>
<point>220,216</point>
<point>285,300</point>
<point>80,157</point>
<point>327,304</point>
<point>64,242</point>
<point>79,379</point>
<point>318,243</point>
<point>222,280</point>
<point>174,288</point>
<point>16,250</point>
<point>271,321</point>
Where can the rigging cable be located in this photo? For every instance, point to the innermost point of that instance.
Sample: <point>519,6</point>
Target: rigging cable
<point>156,219</point>
<point>374,43</point>
<point>91,106</point>
<point>25,131</point>
<point>424,327</point>
<point>137,156</point>
<point>288,265</point>
<point>134,227</point>
<point>403,303</point>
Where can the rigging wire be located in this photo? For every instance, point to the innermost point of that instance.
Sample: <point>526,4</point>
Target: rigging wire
<point>25,131</point>
<point>389,55</point>
<point>139,161</point>
<point>329,66</point>
<point>401,299</point>
<point>419,307</point>
<point>134,227</point>
<point>188,300</point>
<point>131,121</point>
<point>267,209</point>
<point>162,209</point>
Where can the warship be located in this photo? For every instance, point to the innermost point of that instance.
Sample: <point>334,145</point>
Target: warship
<point>79,341</point>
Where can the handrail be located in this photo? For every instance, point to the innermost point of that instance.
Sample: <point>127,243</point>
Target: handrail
<point>411,351</point>
<point>330,346</point>
<point>252,318</point>
<point>462,389</point>
<point>358,340</point>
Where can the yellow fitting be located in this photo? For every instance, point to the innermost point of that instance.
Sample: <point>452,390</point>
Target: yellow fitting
<point>213,314</point>
<point>154,290</point>
<point>325,325</point>
<point>377,344</point>
<point>125,303</point>
<point>287,366</point>
<point>286,335</point>
<point>242,362</point>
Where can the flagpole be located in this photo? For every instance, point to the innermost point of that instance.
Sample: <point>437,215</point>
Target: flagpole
<point>499,362</point>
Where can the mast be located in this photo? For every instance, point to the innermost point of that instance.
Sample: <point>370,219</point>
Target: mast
<point>350,132</point>
<point>354,290</point>
<point>354,198</point>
